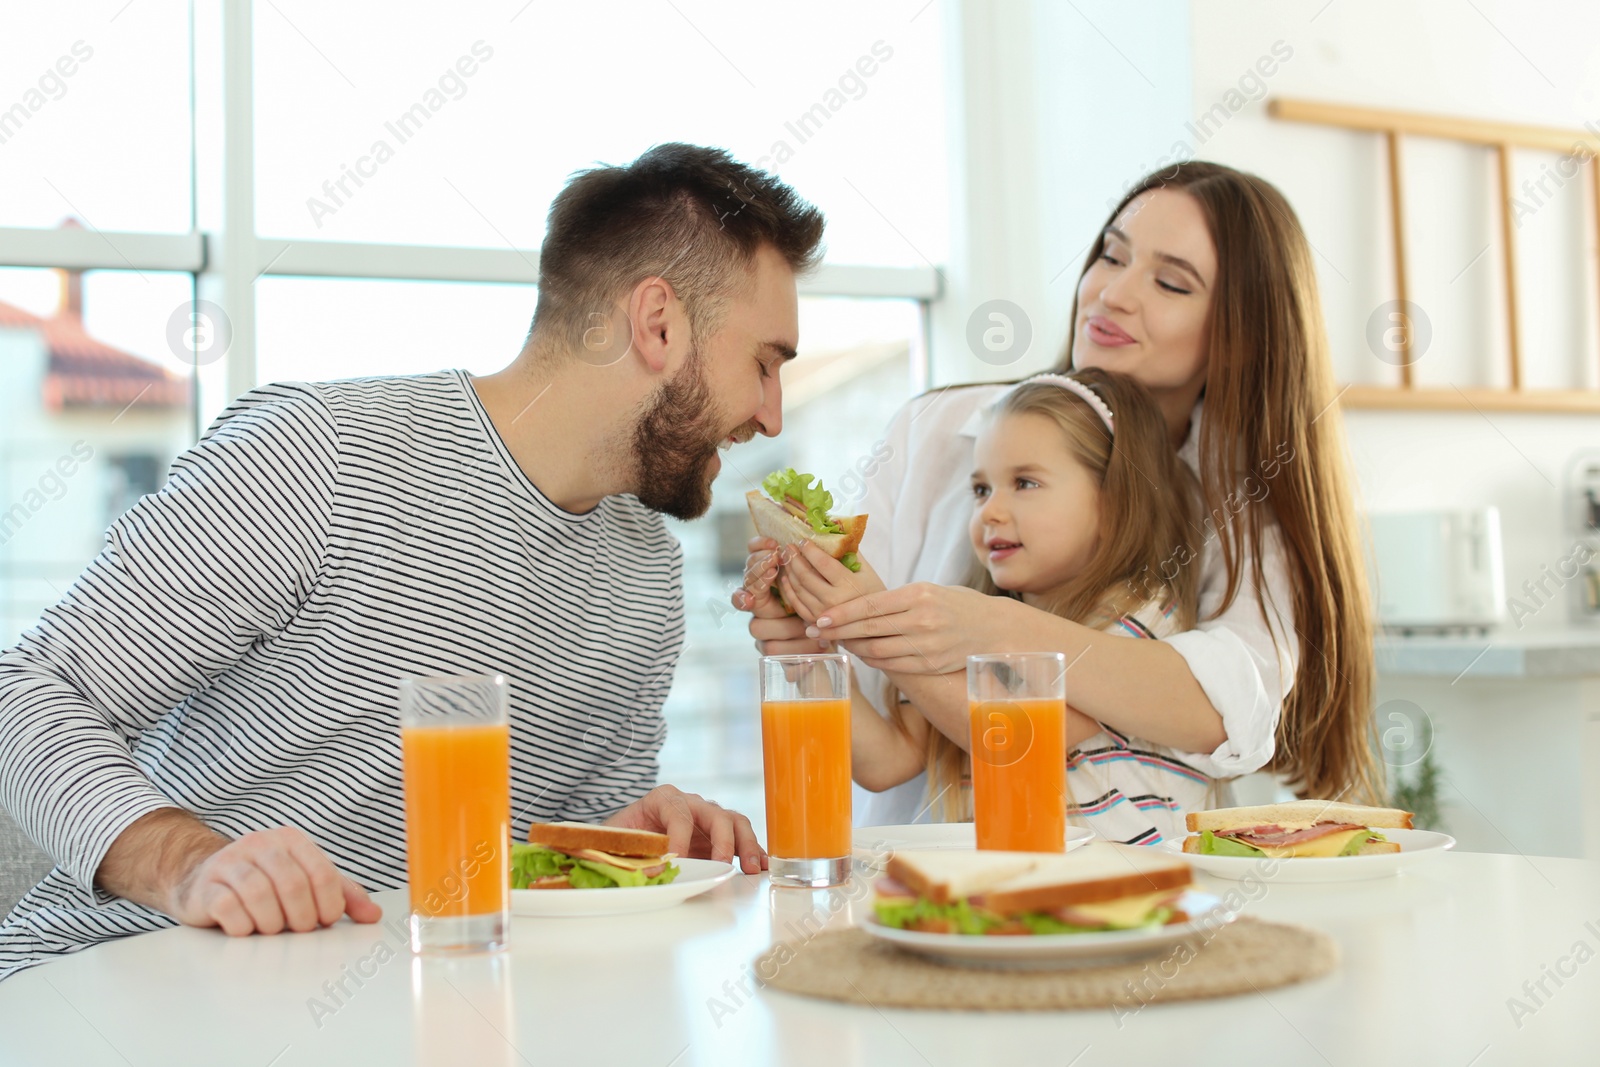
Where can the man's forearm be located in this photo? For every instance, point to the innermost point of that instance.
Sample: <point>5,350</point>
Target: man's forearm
<point>154,854</point>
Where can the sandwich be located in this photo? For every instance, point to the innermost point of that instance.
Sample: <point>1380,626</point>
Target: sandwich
<point>575,855</point>
<point>1302,828</point>
<point>1099,887</point>
<point>789,509</point>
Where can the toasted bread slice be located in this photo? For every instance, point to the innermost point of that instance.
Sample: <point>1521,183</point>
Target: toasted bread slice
<point>566,836</point>
<point>1301,812</point>
<point>1097,872</point>
<point>773,521</point>
<point>945,876</point>
<point>1012,883</point>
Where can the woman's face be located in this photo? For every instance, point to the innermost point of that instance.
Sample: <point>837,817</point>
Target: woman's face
<point>1036,518</point>
<point>1143,305</point>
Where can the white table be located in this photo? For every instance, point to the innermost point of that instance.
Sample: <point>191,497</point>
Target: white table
<point>1430,959</point>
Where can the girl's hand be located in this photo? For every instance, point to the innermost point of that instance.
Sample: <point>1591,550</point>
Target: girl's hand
<point>813,582</point>
<point>921,628</point>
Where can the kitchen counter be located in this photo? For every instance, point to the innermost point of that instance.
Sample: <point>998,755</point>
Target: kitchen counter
<point>1504,653</point>
<point>1513,719</point>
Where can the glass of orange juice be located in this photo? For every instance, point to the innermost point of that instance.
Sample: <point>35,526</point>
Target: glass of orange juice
<point>1018,706</point>
<point>455,748</point>
<point>805,748</point>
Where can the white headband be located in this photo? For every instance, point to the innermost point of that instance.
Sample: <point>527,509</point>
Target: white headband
<point>1073,385</point>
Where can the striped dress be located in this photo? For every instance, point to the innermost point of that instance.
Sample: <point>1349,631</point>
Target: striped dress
<point>1127,789</point>
<point>235,647</point>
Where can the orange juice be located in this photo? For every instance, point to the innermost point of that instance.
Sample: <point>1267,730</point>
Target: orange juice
<point>458,818</point>
<point>1019,774</point>
<point>805,749</point>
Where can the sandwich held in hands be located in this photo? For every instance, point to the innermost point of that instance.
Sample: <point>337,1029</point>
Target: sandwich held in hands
<point>792,510</point>
<point>1302,828</point>
<point>575,855</point>
<point>1101,886</point>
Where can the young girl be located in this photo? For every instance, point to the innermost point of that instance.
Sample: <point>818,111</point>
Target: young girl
<point>1077,502</point>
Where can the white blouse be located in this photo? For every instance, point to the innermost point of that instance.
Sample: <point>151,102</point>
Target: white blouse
<point>919,500</point>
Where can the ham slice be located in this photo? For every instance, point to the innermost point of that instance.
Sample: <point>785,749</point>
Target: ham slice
<point>1278,837</point>
<point>888,887</point>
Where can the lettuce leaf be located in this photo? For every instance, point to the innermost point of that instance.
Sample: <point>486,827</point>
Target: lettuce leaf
<point>1355,844</point>
<point>532,862</point>
<point>1212,845</point>
<point>852,561</point>
<point>817,501</point>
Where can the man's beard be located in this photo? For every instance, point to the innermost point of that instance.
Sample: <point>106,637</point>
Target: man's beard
<point>674,441</point>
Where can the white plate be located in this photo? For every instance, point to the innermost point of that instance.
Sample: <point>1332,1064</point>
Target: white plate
<point>694,877</point>
<point>873,845</point>
<point>1415,846</point>
<point>1053,951</point>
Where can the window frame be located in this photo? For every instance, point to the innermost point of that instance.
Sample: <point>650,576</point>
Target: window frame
<point>227,258</point>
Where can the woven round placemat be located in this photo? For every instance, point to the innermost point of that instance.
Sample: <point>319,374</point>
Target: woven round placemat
<point>851,965</point>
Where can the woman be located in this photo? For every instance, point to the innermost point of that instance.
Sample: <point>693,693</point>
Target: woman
<point>1201,286</point>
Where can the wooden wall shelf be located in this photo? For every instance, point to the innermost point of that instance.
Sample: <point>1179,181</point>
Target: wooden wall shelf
<point>1502,138</point>
<point>1546,401</point>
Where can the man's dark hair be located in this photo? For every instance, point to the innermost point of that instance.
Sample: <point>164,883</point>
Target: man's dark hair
<point>694,216</point>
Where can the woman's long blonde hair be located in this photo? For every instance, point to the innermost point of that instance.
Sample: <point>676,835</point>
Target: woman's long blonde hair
<point>1270,407</point>
<point>1148,499</point>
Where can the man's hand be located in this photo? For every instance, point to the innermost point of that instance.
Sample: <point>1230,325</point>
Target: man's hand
<point>777,633</point>
<point>265,882</point>
<point>695,827</point>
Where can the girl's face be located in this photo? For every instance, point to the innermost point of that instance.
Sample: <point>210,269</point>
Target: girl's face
<point>1037,517</point>
<point>1143,305</point>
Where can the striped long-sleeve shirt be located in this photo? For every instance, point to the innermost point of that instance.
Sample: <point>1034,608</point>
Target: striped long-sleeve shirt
<point>235,647</point>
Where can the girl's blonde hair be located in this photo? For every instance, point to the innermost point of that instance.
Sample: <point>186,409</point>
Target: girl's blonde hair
<point>1271,422</point>
<point>1148,498</point>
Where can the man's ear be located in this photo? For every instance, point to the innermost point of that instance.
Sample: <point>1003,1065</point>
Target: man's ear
<point>658,321</point>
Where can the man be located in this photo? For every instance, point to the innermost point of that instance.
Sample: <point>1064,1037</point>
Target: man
<point>204,730</point>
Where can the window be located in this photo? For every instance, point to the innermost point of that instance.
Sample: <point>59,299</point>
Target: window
<point>94,116</point>
<point>370,199</point>
<point>310,329</point>
<point>458,127</point>
<point>95,405</point>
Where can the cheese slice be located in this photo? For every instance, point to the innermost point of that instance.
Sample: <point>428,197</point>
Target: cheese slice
<point>627,863</point>
<point>1326,845</point>
<point>1128,911</point>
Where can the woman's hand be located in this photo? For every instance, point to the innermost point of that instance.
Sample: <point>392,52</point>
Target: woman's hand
<point>776,632</point>
<point>813,582</point>
<point>922,628</point>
